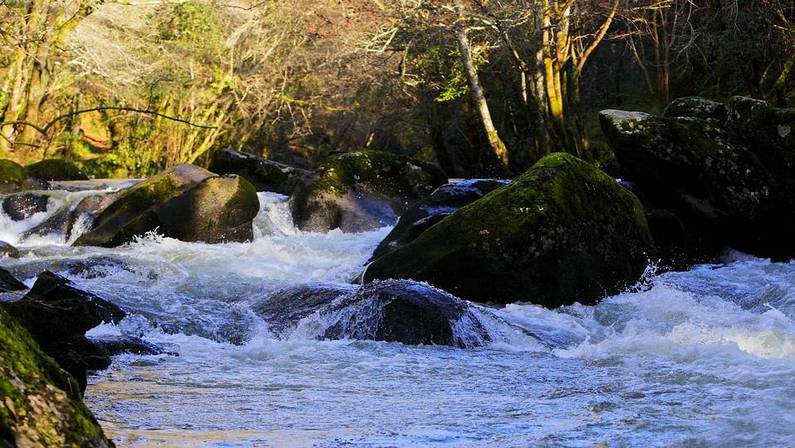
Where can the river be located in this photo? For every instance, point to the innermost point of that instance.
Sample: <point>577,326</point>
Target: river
<point>698,358</point>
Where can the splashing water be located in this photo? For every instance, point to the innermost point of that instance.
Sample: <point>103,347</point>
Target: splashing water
<point>699,358</point>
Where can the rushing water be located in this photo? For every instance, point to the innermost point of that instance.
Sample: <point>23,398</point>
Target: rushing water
<point>701,358</point>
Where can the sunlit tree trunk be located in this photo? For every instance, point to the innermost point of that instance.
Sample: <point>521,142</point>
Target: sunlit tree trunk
<point>479,98</point>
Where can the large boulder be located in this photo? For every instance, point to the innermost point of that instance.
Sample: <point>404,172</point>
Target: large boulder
<point>41,405</point>
<point>185,202</point>
<point>264,174</point>
<point>22,206</point>
<point>362,191</point>
<point>14,177</point>
<point>56,169</point>
<point>393,311</point>
<point>285,308</point>
<point>441,203</point>
<point>562,232</point>
<point>724,170</point>
<point>58,315</point>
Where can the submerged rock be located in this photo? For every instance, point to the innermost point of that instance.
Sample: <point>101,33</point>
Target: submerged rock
<point>393,311</point>
<point>42,405</point>
<point>56,169</point>
<point>119,345</point>
<point>22,206</point>
<point>562,232</point>
<point>185,202</point>
<point>399,311</point>
<point>58,315</point>
<point>441,203</point>
<point>362,191</point>
<point>9,283</point>
<point>284,309</point>
<point>724,170</point>
<point>264,174</point>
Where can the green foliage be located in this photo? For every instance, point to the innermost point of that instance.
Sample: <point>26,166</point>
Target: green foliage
<point>191,23</point>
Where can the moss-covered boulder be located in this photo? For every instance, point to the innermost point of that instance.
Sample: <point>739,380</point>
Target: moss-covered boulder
<point>264,174</point>
<point>7,250</point>
<point>185,202</point>
<point>41,403</point>
<point>361,191</point>
<point>728,177</point>
<point>562,232</point>
<point>767,130</point>
<point>56,169</point>
<point>441,203</point>
<point>15,177</point>
<point>217,210</point>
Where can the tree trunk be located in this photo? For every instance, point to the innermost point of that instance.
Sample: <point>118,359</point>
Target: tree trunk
<point>495,142</point>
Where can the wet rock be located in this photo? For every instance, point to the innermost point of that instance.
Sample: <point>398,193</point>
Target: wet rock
<point>285,308</point>
<point>91,267</point>
<point>22,206</point>
<point>728,177</point>
<point>264,174</point>
<point>675,246</point>
<point>8,250</point>
<point>399,311</point>
<point>362,191</point>
<point>58,315</point>
<point>562,232</point>
<point>119,345</point>
<point>393,311</point>
<point>56,169</point>
<point>441,203</point>
<point>42,405</point>
<point>67,219</point>
<point>55,309</point>
<point>185,202</point>
<point>9,283</point>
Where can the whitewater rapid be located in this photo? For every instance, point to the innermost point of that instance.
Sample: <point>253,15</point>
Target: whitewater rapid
<point>698,358</point>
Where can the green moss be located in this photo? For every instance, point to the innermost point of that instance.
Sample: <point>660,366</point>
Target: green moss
<point>561,232</point>
<point>12,172</point>
<point>372,171</point>
<point>56,169</point>
<point>126,216</point>
<point>41,403</point>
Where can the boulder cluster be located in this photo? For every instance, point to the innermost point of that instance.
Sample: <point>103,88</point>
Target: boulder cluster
<point>711,175</point>
<point>703,177</point>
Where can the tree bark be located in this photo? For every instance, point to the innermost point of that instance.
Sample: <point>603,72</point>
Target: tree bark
<point>479,98</point>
